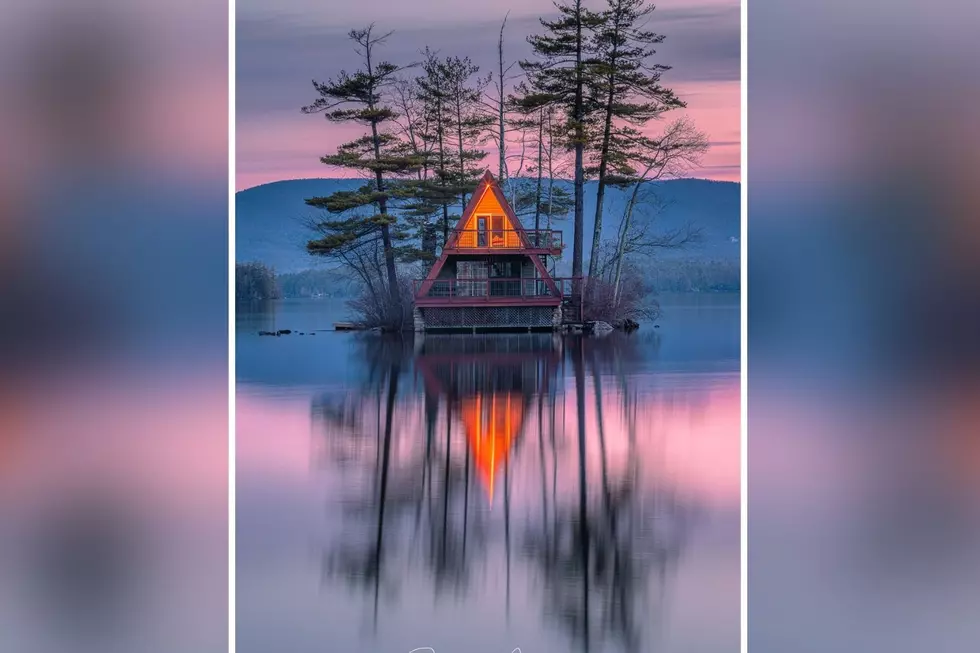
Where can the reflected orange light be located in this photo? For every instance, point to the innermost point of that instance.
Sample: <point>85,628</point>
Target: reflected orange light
<point>492,424</point>
<point>11,428</point>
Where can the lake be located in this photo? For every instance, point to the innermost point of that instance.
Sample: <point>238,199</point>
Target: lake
<point>488,492</point>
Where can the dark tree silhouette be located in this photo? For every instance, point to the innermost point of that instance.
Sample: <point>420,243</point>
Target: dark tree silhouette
<point>358,97</point>
<point>625,90</point>
<point>560,76</point>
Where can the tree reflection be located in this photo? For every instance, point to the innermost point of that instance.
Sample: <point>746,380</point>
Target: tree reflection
<point>362,562</point>
<point>432,441</point>
<point>597,555</point>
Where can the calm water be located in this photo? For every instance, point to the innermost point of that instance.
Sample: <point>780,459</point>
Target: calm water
<point>482,493</point>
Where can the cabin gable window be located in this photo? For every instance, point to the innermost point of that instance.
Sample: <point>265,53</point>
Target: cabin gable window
<point>489,230</point>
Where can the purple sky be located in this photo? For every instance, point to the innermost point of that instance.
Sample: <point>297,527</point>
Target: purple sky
<point>283,44</point>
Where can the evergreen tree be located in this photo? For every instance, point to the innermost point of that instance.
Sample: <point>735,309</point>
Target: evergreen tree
<point>358,97</point>
<point>415,124</point>
<point>452,97</point>
<point>561,76</point>
<point>557,202</point>
<point>255,281</point>
<point>531,118</point>
<point>417,127</point>
<point>538,198</point>
<point>469,121</point>
<point>437,193</point>
<point>624,89</point>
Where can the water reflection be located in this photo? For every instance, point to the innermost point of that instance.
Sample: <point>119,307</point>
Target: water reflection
<point>527,474</point>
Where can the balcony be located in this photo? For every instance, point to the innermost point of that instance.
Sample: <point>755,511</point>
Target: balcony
<point>538,241</point>
<point>507,292</point>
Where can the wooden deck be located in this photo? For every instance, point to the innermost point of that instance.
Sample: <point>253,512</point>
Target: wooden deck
<point>541,242</point>
<point>488,292</point>
<point>430,302</point>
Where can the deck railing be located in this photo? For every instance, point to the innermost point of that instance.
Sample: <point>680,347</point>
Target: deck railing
<point>507,239</point>
<point>469,289</point>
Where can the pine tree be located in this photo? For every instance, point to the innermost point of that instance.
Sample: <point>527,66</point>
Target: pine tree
<point>531,118</point>
<point>417,209</point>
<point>538,197</point>
<point>560,76</point>
<point>468,120</point>
<point>452,96</point>
<point>557,202</point>
<point>358,97</point>
<point>625,91</point>
<point>438,192</point>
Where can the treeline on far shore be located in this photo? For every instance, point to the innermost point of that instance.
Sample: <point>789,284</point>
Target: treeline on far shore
<point>693,275</point>
<point>256,281</point>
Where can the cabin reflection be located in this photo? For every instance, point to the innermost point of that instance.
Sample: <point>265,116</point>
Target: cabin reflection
<point>487,383</point>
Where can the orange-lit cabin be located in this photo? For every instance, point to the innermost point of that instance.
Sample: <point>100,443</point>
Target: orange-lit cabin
<point>493,273</point>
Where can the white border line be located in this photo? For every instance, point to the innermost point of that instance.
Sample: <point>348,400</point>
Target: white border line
<point>744,477</point>
<point>232,620</point>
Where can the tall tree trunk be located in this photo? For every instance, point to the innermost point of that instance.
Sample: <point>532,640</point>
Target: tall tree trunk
<point>393,290</point>
<point>394,294</point>
<point>577,245</point>
<point>601,187</point>
<point>604,156</point>
<point>442,173</point>
<point>459,137</point>
<point>537,194</point>
<point>551,169</point>
<point>623,233</point>
<point>502,163</point>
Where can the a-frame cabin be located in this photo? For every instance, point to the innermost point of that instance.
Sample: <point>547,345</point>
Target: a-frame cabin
<point>492,273</point>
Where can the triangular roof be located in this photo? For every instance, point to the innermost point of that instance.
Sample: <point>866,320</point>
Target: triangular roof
<point>488,184</point>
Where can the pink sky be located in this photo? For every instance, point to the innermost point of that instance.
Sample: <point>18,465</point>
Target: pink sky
<point>282,46</point>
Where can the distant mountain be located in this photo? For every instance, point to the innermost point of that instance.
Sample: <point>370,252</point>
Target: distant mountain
<point>271,222</point>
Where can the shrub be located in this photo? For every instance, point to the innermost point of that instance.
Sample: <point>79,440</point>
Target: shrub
<point>600,301</point>
<point>373,311</point>
<point>373,307</point>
